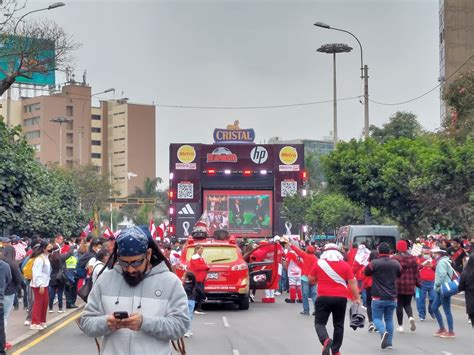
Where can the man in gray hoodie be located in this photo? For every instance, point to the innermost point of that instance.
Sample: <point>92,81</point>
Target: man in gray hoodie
<point>138,305</point>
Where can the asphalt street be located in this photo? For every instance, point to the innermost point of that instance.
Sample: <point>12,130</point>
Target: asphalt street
<point>274,329</point>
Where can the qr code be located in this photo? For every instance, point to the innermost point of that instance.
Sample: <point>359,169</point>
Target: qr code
<point>288,188</point>
<point>185,191</point>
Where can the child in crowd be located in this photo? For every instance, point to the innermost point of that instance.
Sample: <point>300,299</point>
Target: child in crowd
<point>189,283</point>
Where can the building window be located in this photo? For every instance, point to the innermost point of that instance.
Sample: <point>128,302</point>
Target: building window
<point>31,121</point>
<point>69,152</point>
<point>69,138</point>
<point>122,125</point>
<point>96,117</point>
<point>120,152</point>
<point>96,129</point>
<point>69,164</point>
<point>31,108</point>
<point>36,147</point>
<point>95,142</point>
<point>70,125</point>
<point>69,111</point>
<point>119,139</point>
<point>95,155</point>
<point>32,135</point>
<point>118,165</point>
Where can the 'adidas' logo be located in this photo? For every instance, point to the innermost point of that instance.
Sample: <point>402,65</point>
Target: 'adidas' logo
<point>186,210</point>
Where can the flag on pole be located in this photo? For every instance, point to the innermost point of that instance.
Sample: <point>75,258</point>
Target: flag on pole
<point>108,233</point>
<point>153,231</point>
<point>161,231</point>
<point>89,228</point>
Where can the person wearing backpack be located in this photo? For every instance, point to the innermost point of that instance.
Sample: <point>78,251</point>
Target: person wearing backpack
<point>41,273</point>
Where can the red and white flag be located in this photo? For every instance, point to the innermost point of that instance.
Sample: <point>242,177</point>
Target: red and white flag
<point>161,231</point>
<point>108,233</point>
<point>89,228</point>
<point>153,231</point>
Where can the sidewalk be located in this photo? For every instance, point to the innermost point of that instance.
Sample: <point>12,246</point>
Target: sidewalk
<point>17,332</point>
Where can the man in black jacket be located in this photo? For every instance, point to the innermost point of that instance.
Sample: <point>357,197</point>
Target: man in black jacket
<point>384,272</point>
<point>5,277</point>
<point>10,291</point>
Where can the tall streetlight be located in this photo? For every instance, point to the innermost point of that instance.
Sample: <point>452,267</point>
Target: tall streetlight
<point>50,7</point>
<point>364,74</point>
<point>61,120</point>
<point>334,48</point>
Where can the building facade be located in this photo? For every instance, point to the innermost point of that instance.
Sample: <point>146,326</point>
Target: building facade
<point>456,40</point>
<point>56,141</point>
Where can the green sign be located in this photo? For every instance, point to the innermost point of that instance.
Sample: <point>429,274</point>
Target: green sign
<point>33,58</point>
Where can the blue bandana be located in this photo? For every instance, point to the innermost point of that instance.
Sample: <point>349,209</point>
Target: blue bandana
<point>132,241</point>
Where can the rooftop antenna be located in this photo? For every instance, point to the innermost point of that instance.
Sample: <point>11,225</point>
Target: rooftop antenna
<point>84,77</point>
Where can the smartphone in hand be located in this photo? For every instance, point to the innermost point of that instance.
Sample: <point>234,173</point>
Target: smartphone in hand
<point>120,315</point>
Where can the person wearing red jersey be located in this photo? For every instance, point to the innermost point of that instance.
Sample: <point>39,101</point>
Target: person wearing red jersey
<point>427,277</point>
<point>294,277</point>
<point>309,290</point>
<point>333,277</point>
<point>199,267</point>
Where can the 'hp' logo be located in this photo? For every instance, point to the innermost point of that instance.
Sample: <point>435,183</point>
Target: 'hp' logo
<point>259,155</point>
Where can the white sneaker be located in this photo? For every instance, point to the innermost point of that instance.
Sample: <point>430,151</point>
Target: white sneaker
<point>44,325</point>
<point>36,327</point>
<point>400,329</point>
<point>277,293</point>
<point>188,334</point>
<point>27,322</point>
<point>50,311</point>
<point>199,312</point>
<point>412,324</point>
<point>61,311</point>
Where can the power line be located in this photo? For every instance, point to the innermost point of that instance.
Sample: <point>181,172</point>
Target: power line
<point>254,107</point>
<point>426,93</point>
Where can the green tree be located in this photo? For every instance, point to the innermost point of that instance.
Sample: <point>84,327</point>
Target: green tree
<point>329,211</point>
<point>401,124</point>
<point>18,173</point>
<point>294,210</point>
<point>315,171</point>
<point>459,97</point>
<point>52,208</point>
<point>93,187</point>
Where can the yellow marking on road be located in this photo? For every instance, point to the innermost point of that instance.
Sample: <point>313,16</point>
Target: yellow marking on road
<point>46,335</point>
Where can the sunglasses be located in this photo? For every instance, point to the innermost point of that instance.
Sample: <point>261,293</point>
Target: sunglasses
<point>134,264</point>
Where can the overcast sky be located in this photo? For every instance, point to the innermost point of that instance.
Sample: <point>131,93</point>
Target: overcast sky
<point>256,53</point>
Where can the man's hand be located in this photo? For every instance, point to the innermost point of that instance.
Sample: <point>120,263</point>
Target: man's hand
<point>358,301</point>
<point>113,323</point>
<point>134,322</point>
<point>41,290</point>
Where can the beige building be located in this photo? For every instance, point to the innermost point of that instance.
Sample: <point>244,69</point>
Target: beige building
<point>123,142</point>
<point>456,39</point>
<point>12,118</point>
<point>66,143</point>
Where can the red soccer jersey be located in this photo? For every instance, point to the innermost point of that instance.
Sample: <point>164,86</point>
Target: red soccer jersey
<point>326,285</point>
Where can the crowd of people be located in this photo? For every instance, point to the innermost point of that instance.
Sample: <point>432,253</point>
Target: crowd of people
<point>42,272</point>
<point>38,271</point>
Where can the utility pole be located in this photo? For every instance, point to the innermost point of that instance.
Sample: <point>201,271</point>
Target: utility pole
<point>61,120</point>
<point>366,101</point>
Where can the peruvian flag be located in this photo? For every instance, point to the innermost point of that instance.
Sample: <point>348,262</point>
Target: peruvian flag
<point>89,228</point>
<point>161,231</point>
<point>152,228</point>
<point>108,233</point>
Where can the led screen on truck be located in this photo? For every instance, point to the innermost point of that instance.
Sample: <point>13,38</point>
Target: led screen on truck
<point>244,213</point>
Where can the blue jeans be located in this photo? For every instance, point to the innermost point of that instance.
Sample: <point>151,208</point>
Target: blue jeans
<point>283,284</point>
<point>426,289</point>
<point>439,300</point>
<point>384,309</point>
<point>7,308</point>
<point>52,294</point>
<point>191,304</point>
<point>309,291</point>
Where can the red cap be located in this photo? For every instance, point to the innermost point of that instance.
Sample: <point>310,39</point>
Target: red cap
<point>402,246</point>
<point>310,249</point>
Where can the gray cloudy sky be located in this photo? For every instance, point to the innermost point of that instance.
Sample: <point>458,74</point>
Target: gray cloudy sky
<point>256,53</point>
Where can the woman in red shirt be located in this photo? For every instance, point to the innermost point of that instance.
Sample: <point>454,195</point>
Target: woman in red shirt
<point>199,267</point>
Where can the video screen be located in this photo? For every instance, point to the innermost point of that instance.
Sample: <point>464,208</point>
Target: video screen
<point>242,213</point>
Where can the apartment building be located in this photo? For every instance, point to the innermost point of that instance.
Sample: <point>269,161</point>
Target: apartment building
<point>59,126</point>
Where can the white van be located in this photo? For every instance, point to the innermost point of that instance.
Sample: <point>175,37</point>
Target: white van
<point>370,235</point>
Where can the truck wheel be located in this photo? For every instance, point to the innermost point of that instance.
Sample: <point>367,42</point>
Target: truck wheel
<point>244,302</point>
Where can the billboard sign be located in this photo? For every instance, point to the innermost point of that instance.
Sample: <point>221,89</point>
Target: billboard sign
<point>33,58</point>
<point>245,213</point>
<point>234,134</point>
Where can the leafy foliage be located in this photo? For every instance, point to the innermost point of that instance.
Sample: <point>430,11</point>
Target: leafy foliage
<point>18,173</point>
<point>459,97</point>
<point>401,124</point>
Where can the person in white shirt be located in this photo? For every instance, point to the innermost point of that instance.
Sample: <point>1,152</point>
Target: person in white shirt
<point>102,257</point>
<point>40,283</point>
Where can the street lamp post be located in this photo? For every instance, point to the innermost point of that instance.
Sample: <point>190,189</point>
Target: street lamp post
<point>61,120</point>
<point>364,74</point>
<point>334,48</point>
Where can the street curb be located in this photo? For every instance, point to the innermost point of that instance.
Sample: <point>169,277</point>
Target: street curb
<point>33,334</point>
